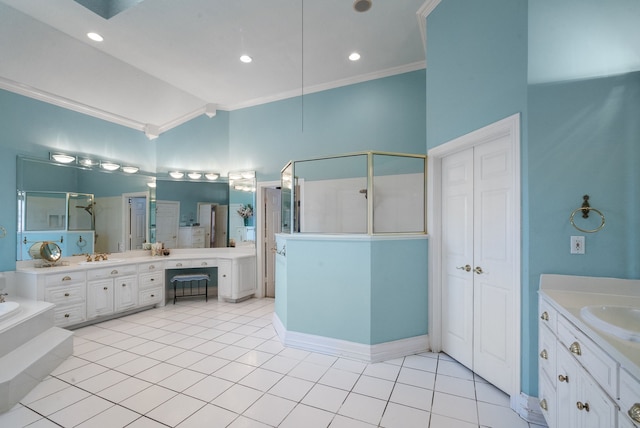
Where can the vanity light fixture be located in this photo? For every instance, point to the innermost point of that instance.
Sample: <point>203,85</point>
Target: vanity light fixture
<point>212,176</point>
<point>248,174</point>
<point>354,56</point>
<point>194,175</point>
<point>95,37</point>
<point>176,174</point>
<point>88,162</point>
<point>246,59</point>
<point>130,169</point>
<point>235,176</point>
<point>109,166</point>
<point>151,184</point>
<point>63,158</point>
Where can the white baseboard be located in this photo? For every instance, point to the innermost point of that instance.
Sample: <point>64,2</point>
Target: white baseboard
<point>528,408</point>
<point>342,348</point>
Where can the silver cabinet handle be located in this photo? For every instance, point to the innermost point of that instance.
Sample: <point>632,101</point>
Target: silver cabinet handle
<point>478,270</point>
<point>465,268</point>
<point>634,412</point>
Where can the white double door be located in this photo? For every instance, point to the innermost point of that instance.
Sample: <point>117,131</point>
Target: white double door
<point>478,255</point>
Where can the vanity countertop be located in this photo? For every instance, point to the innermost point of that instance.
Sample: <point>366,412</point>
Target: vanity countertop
<point>76,263</point>
<point>568,294</point>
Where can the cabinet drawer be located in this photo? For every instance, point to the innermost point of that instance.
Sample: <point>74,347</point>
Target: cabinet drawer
<point>150,296</point>
<point>629,395</point>
<point>548,316</point>
<point>547,397</point>
<point>65,295</point>
<point>153,279</point>
<point>173,264</point>
<point>203,263</point>
<point>151,267</point>
<point>602,367</point>
<point>547,354</point>
<point>68,315</point>
<point>110,272</point>
<point>64,278</point>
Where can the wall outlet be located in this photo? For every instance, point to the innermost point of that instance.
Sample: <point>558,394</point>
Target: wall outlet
<point>577,245</point>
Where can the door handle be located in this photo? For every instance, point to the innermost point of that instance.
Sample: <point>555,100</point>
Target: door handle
<point>478,270</point>
<point>465,268</point>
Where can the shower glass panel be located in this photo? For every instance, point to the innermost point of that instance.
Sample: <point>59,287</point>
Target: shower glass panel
<point>355,193</point>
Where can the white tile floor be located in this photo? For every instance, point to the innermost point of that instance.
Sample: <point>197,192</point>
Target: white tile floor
<point>197,364</point>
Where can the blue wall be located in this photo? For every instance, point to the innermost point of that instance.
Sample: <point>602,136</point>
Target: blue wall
<point>385,114</point>
<point>476,65</point>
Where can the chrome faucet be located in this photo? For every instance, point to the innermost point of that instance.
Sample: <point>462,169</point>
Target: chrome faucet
<point>2,297</point>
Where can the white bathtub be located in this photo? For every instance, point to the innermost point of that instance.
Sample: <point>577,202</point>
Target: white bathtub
<point>8,309</point>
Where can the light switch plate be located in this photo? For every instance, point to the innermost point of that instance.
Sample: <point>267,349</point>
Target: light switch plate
<point>577,245</point>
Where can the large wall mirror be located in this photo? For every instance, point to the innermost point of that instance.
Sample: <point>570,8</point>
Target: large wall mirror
<point>89,210</point>
<point>83,210</point>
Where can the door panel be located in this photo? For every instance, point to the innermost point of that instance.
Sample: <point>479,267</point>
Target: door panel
<point>457,253</point>
<point>493,252</point>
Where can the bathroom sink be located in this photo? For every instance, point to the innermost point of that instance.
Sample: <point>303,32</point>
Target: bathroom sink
<point>101,262</point>
<point>620,321</point>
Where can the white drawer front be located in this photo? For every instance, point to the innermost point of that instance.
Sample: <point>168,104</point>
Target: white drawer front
<point>150,296</point>
<point>548,315</point>
<point>630,395</point>
<point>173,264</point>
<point>151,267</point>
<point>602,367</point>
<point>65,295</point>
<point>64,278</point>
<point>154,279</point>
<point>547,354</point>
<point>68,315</point>
<point>203,263</point>
<point>112,271</point>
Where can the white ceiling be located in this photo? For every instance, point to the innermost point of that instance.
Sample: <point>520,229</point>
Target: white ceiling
<point>163,61</point>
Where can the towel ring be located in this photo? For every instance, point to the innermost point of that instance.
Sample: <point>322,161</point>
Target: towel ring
<point>581,209</point>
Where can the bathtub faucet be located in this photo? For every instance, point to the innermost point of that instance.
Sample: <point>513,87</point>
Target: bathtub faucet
<point>2,297</point>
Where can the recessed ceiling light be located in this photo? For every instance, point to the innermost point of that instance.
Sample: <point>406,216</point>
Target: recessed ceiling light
<point>354,56</point>
<point>362,5</point>
<point>95,37</point>
<point>246,59</point>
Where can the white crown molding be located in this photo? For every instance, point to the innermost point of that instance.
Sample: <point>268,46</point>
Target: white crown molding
<point>31,92</point>
<point>418,65</point>
<point>59,101</point>
<point>425,10</point>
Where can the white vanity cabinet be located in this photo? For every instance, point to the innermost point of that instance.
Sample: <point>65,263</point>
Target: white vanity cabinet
<point>112,289</point>
<point>574,374</point>
<point>65,289</point>
<point>236,278</point>
<point>587,377</point>
<point>191,237</point>
<point>150,283</point>
<point>86,293</point>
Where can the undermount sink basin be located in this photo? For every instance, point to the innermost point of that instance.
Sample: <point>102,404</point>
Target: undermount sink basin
<point>101,262</point>
<point>620,321</point>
